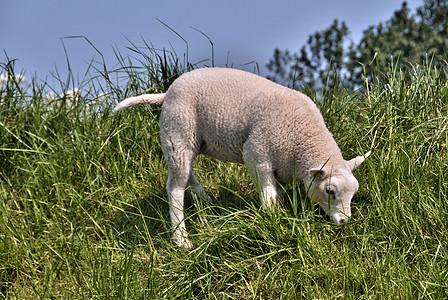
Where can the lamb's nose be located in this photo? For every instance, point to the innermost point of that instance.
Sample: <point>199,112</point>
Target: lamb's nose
<point>339,219</point>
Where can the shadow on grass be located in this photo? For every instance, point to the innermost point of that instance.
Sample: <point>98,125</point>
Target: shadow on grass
<point>146,220</point>
<point>8,277</point>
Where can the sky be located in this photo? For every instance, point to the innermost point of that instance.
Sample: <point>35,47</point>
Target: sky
<point>242,31</point>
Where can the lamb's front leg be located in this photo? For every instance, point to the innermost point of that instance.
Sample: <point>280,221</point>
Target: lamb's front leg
<point>269,191</point>
<point>263,178</point>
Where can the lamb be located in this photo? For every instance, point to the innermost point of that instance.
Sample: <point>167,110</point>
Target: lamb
<point>237,116</point>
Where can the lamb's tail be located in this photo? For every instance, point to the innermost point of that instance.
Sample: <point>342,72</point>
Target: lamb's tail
<point>155,99</point>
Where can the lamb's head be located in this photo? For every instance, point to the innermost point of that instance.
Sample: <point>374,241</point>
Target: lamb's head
<point>333,188</point>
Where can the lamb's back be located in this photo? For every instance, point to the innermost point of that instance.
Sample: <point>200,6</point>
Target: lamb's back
<point>222,103</point>
<point>226,99</point>
<point>228,106</point>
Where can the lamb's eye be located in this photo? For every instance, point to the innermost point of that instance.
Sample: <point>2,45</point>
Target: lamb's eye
<point>330,191</point>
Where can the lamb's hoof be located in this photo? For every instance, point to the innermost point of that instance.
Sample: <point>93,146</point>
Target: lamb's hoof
<point>183,242</point>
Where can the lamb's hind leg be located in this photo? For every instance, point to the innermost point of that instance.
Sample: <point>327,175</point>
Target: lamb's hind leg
<point>178,176</point>
<point>197,188</point>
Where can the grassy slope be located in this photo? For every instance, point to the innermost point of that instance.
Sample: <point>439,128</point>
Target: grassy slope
<point>83,210</point>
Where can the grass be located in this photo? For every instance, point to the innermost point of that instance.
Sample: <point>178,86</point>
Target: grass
<point>84,213</point>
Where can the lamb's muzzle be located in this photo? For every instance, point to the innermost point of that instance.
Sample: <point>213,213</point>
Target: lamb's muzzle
<point>237,116</point>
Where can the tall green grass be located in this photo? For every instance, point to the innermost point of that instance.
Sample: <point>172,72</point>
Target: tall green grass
<point>84,214</point>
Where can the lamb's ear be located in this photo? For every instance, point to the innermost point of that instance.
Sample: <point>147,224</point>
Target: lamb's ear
<point>355,162</point>
<point>318,172</point>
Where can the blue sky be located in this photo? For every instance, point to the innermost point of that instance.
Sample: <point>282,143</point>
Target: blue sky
<point>243,30</point>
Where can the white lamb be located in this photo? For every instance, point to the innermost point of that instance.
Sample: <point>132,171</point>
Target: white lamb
<point>240,117</point>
